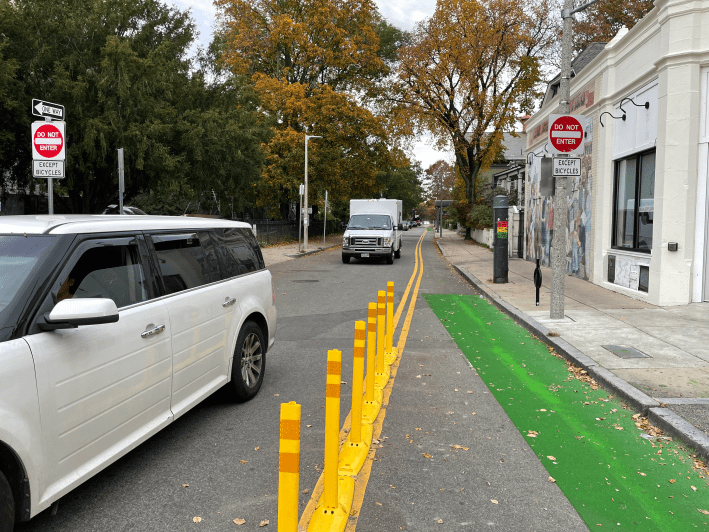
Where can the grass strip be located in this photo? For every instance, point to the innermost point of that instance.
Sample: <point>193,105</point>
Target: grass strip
<point>585,438</point>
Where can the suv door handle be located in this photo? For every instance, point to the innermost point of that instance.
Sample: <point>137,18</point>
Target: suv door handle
<point>152,332</point>
<point>228,302</point>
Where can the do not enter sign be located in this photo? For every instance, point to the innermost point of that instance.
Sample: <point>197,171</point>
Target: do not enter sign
<point>48,141</point>
<point>566,133</point>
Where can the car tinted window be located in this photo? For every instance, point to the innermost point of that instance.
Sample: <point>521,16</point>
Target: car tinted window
<point>186,260</point>
<point>107,271</point>
<point>18,256</point>
<point>238,251</point>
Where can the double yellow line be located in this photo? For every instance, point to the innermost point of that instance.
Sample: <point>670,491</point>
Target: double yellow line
<point>363,476</point>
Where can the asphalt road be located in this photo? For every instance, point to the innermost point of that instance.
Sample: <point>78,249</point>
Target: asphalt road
<point>227,454</point>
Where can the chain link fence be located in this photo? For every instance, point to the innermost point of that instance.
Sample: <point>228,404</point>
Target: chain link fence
<point>270,232</point>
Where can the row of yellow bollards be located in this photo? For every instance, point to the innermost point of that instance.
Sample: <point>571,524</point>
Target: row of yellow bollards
<point>341,466</point>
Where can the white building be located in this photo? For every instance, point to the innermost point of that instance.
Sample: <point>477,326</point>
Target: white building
<point>637,219</point>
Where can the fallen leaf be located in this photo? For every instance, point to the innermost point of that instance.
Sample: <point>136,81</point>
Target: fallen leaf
<point>276,394</point>
<point>533,434</point>
<point>551,458</point>
<point>418,376</point>
<point>456,446</point>
<point>693,488</point>
<point>494,501</point>
<point>702,511</point>
<point>243,461</point>
<point>672,480</point>
<point>426,455</point>
<point>239,521</point>
<point>440,521</point>
<point>551,479</point>
<point>257,448</point>
<point>643,474</point>
<point>470,391</point>
<point>185,485</point>
<point>456,389</point>
<point>378,503</point>
<point>263,523</point>
<point>308,425</point>
<point>197,519</point>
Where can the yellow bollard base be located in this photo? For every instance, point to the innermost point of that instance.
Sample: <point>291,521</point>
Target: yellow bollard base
<point>381,379</point>
<point>370,409</point>
<point>353,455</point>
<point>334,519</point>
<point>390,356</point>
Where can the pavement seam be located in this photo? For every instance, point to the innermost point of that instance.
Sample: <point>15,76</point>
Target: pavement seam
<point>641,402</point>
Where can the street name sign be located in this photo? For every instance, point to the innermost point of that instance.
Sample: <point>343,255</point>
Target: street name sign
<point>566,166</point>
<point>48,141</point>
<point>566,134</point>
<point>48,169</point>
<point>47,109</point>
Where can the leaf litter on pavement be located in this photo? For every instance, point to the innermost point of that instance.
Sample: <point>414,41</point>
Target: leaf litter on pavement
<point>612,465</point>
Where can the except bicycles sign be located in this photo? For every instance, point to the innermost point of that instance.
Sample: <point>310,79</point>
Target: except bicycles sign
<point>566,133</point>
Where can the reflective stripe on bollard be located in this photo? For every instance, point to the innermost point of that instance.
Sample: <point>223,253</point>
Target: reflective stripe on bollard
<point>288,467</point>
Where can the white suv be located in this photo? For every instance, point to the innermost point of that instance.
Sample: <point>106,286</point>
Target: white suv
<point>111,327</point>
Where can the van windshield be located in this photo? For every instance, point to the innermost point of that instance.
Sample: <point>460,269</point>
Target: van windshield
<point>369,221</point>
<point>18,256</point>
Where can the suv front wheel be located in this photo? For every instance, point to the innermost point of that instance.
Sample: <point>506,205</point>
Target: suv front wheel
<point>249,362</point>
<point>7,506</point>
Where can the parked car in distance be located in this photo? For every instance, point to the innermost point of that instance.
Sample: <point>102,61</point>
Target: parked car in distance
<point>127,209</point>
<point>112,327</point>
<point>405,225</point>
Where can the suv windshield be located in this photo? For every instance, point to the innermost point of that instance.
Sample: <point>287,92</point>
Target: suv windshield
<point>369,221</point>
<point>18,256</point>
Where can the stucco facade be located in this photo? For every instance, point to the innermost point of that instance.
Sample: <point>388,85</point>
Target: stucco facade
<point>643,189</point>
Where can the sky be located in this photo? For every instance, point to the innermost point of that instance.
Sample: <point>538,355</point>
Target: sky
<point>403,14</point>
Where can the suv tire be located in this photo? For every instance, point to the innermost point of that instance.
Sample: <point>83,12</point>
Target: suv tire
<point>7,506</point>
<point>249,362</point>
<point>345,259</point>
<point>390,256</point>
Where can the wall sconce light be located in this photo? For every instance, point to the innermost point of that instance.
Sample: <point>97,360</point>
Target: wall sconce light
<point>600,118</point>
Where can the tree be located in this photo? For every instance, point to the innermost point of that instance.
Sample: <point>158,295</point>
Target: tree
<point>120,69</point>
<point>601,21</point>
<point>315,66</point>
<point>440,181</point>
<point>468,73</point>
<point>403,182</point>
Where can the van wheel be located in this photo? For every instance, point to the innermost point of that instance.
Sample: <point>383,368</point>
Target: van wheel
<point>397,253</point>
<point>249,362</point>
<point>390,257</point>
<point>345,259</point>
<point>7,506</point>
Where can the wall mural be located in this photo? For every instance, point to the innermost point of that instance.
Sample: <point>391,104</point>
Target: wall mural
<point>539,213</point>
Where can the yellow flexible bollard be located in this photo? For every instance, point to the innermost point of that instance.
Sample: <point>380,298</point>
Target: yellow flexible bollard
<point>391,353</point>
<point>381,376</point>
<point>333,509</point>
<point>373,395</point>
<point>289,467</point>
<point>354,451</point>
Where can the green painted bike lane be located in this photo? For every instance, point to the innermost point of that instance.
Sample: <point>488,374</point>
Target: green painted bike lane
<point>586,439</point>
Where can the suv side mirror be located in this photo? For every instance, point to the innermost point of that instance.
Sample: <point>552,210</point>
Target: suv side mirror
<point>71,313</point>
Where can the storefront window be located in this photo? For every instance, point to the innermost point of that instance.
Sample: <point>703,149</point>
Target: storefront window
<point>634,202</point>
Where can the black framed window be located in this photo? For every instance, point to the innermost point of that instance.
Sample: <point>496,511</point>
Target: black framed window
<point>186,260</point>
<point>634,202</point>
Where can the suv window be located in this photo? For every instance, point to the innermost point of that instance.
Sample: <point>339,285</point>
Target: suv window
<point>18,256</point>
<point>107,271</point>
<point>186,260</point>
<point>238,251</point>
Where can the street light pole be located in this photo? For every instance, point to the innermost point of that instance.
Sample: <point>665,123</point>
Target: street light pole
<point>306,218</point>
<point>558,251</point>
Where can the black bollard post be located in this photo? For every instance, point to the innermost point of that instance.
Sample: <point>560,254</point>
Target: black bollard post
<point>500,241</point>
<point>538,279</point>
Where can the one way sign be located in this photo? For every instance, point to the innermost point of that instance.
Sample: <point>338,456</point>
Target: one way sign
<point>47,109</point>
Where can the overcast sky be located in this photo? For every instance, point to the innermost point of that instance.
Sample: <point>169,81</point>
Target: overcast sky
<point>403,14</point>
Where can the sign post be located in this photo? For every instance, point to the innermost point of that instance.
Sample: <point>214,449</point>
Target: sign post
<point>300,214</point>
<point>121,182</point>
<point>565,138</point>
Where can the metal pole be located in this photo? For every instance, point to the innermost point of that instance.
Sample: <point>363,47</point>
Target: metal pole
<point>50,192</point>
<point>300,216</point>
<point>121,182</point>
<point>558,252</point>
<point>324,229</point>
<point>306,220</point>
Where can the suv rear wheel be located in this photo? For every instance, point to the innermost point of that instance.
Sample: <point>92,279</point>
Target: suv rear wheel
<point>7,506</point>
<point>249,362</point>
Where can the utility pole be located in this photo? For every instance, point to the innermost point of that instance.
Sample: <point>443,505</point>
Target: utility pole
<point>558,252</point>
<point>306,219</point>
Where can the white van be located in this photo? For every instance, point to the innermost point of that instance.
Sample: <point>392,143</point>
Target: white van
<point>112,327</point>
<point>374,230</point>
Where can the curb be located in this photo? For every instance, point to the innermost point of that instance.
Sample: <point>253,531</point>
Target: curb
<point>663,418</point>
<point>313,252</point>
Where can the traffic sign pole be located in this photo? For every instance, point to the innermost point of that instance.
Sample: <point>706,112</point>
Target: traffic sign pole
<point>50,187</point>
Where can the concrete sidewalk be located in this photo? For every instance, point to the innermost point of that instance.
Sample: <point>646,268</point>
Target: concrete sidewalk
<point>668,379</point>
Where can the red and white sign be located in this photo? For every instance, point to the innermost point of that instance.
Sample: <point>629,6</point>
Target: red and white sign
<point>566,133</point>
<point>48,141</point>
